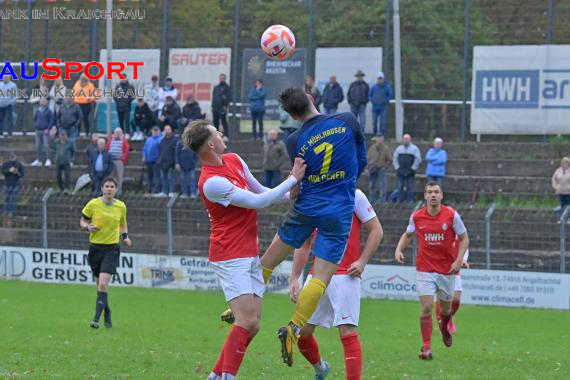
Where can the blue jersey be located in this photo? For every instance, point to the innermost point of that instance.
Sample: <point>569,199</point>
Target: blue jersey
<point>335,152</point>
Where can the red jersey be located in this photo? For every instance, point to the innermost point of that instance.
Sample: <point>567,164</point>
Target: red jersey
<point>363,212</point>
<point>436,238</point>
<point>233,231</point>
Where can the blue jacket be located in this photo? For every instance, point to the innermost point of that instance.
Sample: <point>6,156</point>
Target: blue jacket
<point>257,99</point>
<point>380,95</point>
<point>332,95</point>
<point>185,157</point>
<point>107,163</point>
<point>43,119</point>
<point>151,149</point>
<point>436,159</point>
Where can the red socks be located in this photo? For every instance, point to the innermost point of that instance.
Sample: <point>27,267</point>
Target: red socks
<point>233,351</point>
<point>426,325</point>
<point>352,356</point>
<point>454,307</point>
<point>309,348</point>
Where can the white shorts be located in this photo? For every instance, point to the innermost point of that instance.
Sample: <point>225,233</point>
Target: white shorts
<point>458,283</point>
<point>340,305</point>
<point>431,284</point>
<point>240,276</point>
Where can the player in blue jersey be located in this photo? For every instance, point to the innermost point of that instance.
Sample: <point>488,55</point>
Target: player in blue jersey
<point>334,150</point>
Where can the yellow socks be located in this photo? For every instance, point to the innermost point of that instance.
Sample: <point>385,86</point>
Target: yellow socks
<point>308,301</point>
<point>266,274</point>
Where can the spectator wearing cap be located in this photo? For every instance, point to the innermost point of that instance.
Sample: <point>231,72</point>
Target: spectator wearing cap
<point>166,91</point>
<point>561,183</point>
<point>125,94</point>
<point>12,170</point>
<point>221,96</point>
<point>150,153</point>
<point>379,160</point>
<point>332,96</point>
<point>380,96</point>
<point>257,96</point>
<point>407,159</point>
<point>190,111</point>
<point>436,160</point>
<point>143,120</point>
<point>118,148</point>
<point>170,112</point>
<point>151,92</point>
<point>357,97</point>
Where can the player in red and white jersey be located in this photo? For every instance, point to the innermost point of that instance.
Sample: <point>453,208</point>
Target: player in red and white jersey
<point>340,305</point>
<point>232,195</point>
<point>436,227</point>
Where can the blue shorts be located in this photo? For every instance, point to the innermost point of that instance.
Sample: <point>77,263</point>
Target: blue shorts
<point>332,238</point>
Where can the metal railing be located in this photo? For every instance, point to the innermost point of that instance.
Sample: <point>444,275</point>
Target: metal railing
<point>563,220</point>
<point>488,217</point>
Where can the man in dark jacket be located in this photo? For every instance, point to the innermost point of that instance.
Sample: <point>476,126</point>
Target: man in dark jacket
<point>143,120</point>
<point>91,149</point>
<point>407,159</point>
<point>167,161</point>
<point>125,95</point>
<point>43,121</point>
<point>186,161</point>
<point>69,120</point>
<point>64,153</point>
<point>220,100</point>
<point>101,165</point>
<point>357,97</point>
<point>12,170</point>
<point>332,96</point>
<point>190,111</point>
<point>380,95</point>
<point>170,112</point>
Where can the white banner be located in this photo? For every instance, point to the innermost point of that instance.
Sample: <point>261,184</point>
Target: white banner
<point>480,287</point>
<point>196,71</point>
<point>150,57</point>
<point>521,90</point>
<point>344,63</point>
<point>140,270</point>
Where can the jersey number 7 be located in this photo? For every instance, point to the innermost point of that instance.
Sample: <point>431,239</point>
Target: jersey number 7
<point>328,149</point>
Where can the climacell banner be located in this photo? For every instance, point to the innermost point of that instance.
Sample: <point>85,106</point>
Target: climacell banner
<point>196,71</point>
<point>522,89</point>
<point>341,62</point>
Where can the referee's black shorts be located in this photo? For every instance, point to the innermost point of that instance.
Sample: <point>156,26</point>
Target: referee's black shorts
<point>103,258</point>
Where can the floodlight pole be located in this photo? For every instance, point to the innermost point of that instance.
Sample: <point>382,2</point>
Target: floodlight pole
<point>398,73</point>
<point>109,38</point>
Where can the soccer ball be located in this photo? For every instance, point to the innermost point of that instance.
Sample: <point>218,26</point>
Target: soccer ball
<point>278,42</point>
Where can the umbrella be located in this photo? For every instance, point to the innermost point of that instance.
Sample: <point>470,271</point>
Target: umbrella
<point>82,181</point>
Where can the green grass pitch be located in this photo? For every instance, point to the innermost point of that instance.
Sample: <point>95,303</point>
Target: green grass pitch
<point>166,334</point>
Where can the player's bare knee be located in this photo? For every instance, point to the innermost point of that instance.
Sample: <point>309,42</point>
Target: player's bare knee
<point>426,308</point>
<point>307,330</point>
<point>345,330</point>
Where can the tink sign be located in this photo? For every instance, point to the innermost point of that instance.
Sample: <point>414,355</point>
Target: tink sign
<point>522,88</point>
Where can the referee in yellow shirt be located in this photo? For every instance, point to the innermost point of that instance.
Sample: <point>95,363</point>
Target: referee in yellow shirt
<point>106,220</point>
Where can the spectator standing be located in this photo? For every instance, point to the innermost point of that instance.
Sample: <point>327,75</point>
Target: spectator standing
<point>43,121</point>
<point>407,159</point>
<point>118,148</point>
<point>190,111</point>
<point>64,153</point>
<point>7,104</point>
<point>357,97</point>
<point>123,102</point>
<point>436,160</point>
<point>85,101</point>
<point>150,154</point>
<point>287,124</point>
<point>167,161</point>
<point>12,170</point>
<point>43,88</point>
<point>221,96</point>
<point>151,96</point>
<point>311,89</point>
<point>186,161</point>
<point>165,92</point>
<point>379,160</point>
<point>170,112</point>
<point>91,149</point>
<point>56,95</point>
<point>561,183</point>
<point>257,107</point>
<point>143,120</point>
<point>69,120</point>
<point>332,96</point>
<point>274,158</point>
<point>380,96</point>
<point>101,165</point>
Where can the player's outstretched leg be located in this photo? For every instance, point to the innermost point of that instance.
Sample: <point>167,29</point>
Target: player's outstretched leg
<point>309,348</point>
